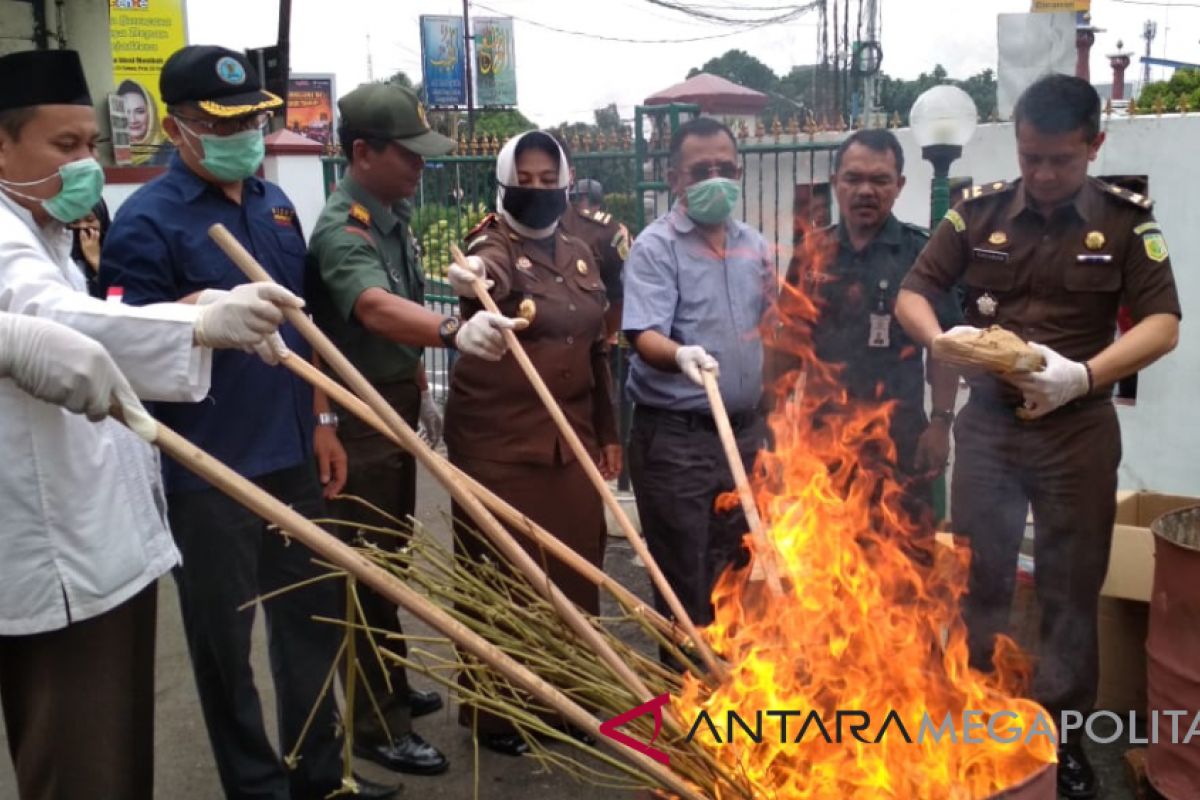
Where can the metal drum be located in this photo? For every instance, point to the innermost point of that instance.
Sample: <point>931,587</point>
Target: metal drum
<point>1173,652</point>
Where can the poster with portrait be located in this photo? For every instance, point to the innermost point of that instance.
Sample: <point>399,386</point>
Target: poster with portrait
<point>311,109</point>
<point>143,35</point>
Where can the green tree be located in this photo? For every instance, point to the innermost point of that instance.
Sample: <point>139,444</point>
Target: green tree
<point>897,95</point>
<point>401,79</point>
<point>741,68</point>
<point>1184,83</point>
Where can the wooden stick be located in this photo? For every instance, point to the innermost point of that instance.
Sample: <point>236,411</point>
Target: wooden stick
<point>593,473</point>
<point>334,551</point>
<point>501,538</point>
<point>497,505</point>
<point>765,557</point>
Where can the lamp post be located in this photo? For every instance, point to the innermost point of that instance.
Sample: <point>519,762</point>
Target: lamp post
<point>943,120</point>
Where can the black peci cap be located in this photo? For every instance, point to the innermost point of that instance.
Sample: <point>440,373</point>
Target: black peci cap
<point>220,81</point>
<point>42,78</point>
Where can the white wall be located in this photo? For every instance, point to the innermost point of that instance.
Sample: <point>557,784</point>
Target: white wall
<point>1161,433</point>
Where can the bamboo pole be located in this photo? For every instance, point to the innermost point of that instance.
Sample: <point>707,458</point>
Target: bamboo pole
<point>497,505</point>
<point>336,552</point>
<point>593,473</point>
<point>766,552</point>
<point>502,539</point>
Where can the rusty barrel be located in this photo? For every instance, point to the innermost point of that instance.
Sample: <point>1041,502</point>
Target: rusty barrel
<point>1173,651</point>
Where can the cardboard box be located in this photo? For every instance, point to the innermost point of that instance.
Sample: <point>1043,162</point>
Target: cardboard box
<point>1123,625</point>
<point>1125,599</point>
<point>1131,564</point>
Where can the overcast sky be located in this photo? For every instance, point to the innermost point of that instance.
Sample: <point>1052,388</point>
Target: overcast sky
<point>563,77</point>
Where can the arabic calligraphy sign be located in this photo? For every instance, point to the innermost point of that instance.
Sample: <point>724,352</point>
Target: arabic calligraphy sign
<point>495,65</point>
<point>443,63</point>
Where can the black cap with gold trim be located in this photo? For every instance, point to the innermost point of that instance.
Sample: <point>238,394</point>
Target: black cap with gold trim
<point>42,78</point>
<point>221,82</point>
<point>388,111</point>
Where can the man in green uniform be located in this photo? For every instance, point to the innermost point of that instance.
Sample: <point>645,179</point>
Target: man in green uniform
<point>855,277</point>
<point>368,297</point>
<point>1050,257</point>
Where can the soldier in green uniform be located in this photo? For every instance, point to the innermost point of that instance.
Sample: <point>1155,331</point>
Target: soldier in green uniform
<point>854,275</point>
<point>367,296</point>
<point>1050,257</point>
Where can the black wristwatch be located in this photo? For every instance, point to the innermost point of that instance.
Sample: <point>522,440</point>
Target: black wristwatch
<point>448,330</point>
<point>946,415</point>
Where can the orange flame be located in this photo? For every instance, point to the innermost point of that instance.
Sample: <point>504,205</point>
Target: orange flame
<point>869,620</point>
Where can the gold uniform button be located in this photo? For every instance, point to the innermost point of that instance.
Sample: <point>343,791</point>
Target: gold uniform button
<point>1094,240</point>
<point>581,265</point>
<point>998,238</point>
<point>524,263</point>
<point>527,310</point>
<point>570,340</point>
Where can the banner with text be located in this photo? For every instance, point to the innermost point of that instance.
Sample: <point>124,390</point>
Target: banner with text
<point>495,62</point>
<point>443,60</point>
<point>144,34</point>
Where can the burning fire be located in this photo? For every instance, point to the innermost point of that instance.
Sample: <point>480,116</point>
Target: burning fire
<point>869,620</point>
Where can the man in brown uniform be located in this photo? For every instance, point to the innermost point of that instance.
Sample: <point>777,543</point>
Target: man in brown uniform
<point>607,238</point>
<point>1050,257</point>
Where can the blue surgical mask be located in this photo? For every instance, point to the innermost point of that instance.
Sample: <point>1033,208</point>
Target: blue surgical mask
<point>230,158</point>
<point>82,186</point>
<point>712,201</point>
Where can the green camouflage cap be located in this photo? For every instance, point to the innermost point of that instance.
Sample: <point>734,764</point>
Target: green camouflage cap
<point>388,111</point>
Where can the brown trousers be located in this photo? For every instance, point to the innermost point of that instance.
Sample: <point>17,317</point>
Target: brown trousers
<point>1064,466</point>
<point>79,705</point>
<point>562,500</point>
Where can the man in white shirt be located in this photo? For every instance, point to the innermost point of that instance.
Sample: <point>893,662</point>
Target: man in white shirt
<point>84,520</point>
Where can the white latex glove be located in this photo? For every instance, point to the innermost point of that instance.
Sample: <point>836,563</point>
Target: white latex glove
<point>62,366</point>
<point>272,349</point>
<point>482,335</point>
<point>462,281</point>
<point>692,359</point>
<point>430,428</point>
<point>244,317</point>
<point>959,330</point>
<point>1059,383</point>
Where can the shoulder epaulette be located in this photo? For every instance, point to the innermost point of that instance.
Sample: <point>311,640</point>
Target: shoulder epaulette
<point>598,217</point>
<point>985,190</point>
<point>360,214</point>
<point>1139,200</point>
<point>484,223</point>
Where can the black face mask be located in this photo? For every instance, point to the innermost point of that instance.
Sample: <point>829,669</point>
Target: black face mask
<point>535,208</point>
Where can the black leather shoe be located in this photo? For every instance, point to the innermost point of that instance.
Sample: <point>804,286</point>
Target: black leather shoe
<point>507,744</point>
<point>370,790</point>
<point>422,703</point>
<point>1076,778</point>
<point>409,753</point>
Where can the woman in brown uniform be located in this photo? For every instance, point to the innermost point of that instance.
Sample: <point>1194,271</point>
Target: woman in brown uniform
<point>497,429</point>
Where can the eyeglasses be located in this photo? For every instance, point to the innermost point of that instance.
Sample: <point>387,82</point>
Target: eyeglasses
<point>228,127</point>
<point>712,169</point>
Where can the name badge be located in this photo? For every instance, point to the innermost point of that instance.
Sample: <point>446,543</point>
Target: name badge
<point>990,255</point>
<point>880,335</point>
<point>1093,258</point>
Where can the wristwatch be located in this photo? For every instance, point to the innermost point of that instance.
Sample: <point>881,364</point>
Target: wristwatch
<point>327,419</point>
<point>448,330</point>
<point>946,415</point>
